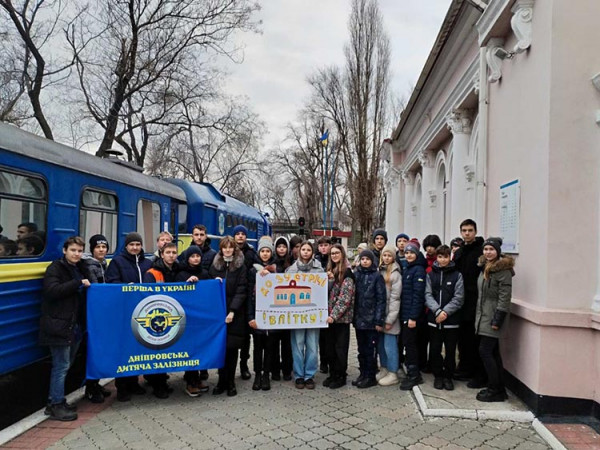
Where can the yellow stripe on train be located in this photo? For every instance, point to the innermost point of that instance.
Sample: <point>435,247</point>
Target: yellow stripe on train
<point>23,271</point>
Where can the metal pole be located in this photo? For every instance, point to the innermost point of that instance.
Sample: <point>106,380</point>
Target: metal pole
<point>324,166</point>
<point>334,163</point>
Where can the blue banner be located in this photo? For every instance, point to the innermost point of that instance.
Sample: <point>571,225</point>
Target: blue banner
<point>155,328</point>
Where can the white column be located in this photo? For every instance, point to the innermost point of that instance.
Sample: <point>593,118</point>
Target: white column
<point>462,207</point>
<point>392,205</point>
<point>429,198</point>
<point>408,178</point>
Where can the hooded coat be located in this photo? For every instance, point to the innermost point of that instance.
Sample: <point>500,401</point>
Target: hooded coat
<point>235,276</point>
<point>370,300</point>
<point>127,268</point>
<point>413,289</point>
<point>493,305</point>
<point>444,293</point>
<point>466,260</point>
<point>393,289</point>
<point>186,271</point>
<point>282,263</point>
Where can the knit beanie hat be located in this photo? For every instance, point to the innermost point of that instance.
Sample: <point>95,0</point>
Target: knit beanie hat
<point>495,242</point>
<point>412,246</point>
<point>369,254</point>
<point>362,246</point>
<point>96,240</point>
<point>389,249</point>
<point>457,242</point>
<point>402,235</point>
<point>191,250</point>
<point>239,228</point>
<point>380,232</point>
<point>265,242</point>
<point>432,240</point>
<point>282,240</point>
<point>133,237</point>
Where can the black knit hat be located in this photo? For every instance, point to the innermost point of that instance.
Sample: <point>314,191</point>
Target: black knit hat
<point>495,242</point>
<point>96,240</point>
<point>380,232</point>
<point>457,242</point>
<point>133,237</point>
<point>191,250</point>
<point>369,254</point>
<point>432,240</point>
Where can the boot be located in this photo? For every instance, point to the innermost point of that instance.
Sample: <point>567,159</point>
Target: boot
<point>337,383</point>
<point>246,375</point>
<point>358,380</point>
<point>231,390</point>
<point>265,382</point>
<point>257,382</point>
<point>492,395</point>
<point>93,392</point>
<point>413,378</point>
<point>62,413</point>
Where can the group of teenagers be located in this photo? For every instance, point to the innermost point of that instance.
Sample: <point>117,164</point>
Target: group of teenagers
<point>404,305</point>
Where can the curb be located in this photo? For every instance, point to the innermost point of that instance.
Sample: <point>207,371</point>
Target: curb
<point>27,423</point>
<point>483,414</point>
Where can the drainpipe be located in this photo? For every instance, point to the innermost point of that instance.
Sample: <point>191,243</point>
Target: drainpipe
<point>482,144</point>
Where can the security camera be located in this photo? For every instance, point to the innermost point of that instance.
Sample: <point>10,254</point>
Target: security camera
<point>502,54</point>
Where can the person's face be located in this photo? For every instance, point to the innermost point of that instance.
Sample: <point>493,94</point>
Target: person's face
<point>134,248</point>
<point>335,255</point>
<point>169,255</point>
<point>387,258</point>
<point>264,254</point>
<point>489,253</point>
<point>410,256</point>
<point>400,243</point>
<point>379,242</point>
<point>22,249</point>
<point>443,260</point>
<point>306,252</point>
<point>296,250</point>
<point>73,253</point>
<point>99,252</point>
<point>324,248</point>
<point>430,250</point>
<point>240,238</point>
<point>2,250</point>
<point>162,240</point>
<point>198,236</point>
<point>468,233</point>
<point>22,231</point>
<point>194,260</point>
<point>365,262</point>
<point>281,250</point>
<point>228,251</point>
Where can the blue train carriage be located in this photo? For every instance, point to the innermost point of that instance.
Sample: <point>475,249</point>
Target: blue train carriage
<point>218,212</point>
<point>59,192</point>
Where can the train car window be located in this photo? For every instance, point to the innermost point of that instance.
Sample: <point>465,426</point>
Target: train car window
<point>148,220</point>
<point>182,214</point>
<point>98,215</point>
<point>229,221</point>
<point>23,207</point>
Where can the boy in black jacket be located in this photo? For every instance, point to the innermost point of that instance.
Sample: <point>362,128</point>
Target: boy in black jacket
<point>444,296</point>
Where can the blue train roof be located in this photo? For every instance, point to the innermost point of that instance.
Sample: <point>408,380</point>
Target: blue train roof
<point>206,193</point>
<point>23,143</point>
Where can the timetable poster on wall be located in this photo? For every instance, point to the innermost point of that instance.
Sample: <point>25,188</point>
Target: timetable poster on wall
<point>510,203</point>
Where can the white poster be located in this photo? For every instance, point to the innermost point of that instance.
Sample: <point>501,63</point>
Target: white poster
<point>510,204</point>
<point>291,301</point>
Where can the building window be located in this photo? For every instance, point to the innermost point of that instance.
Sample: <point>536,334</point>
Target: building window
<point>98,215</point>
<point>23,201</point>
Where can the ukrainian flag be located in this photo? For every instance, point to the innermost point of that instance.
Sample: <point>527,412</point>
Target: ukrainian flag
<point>324,138</point>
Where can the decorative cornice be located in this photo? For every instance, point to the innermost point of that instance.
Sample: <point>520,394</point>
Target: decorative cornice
<point>521,24</point>
<point>493,60</point>
<point>459,121</point>
<point>408,178</point>
<point>426,159</point>
<point>489,18</point>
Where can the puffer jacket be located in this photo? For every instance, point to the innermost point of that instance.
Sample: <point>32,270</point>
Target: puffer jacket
<point>493,304</point>
<point>413,290</point>
<point>63,303</point>
<point>341,298</point>
<point>235,276</point>
<point>393,289</point>
<point>370,299</point>
<point>93,269</point>
<point>127,268</point>
<point>444,293</point>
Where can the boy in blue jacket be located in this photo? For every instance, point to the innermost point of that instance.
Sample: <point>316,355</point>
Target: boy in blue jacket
<point>411,309</point>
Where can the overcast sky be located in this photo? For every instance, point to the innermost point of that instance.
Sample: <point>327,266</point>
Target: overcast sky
<point>299,36</point>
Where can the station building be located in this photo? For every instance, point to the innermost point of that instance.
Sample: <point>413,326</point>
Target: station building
<point>503,127</point>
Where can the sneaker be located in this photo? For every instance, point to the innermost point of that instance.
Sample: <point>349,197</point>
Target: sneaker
<point>231,391</point>
<point>366,383</point>
<point>337,383</point>
<point>358,380</point>
<point>409,382</point>
<point>492,395</point>
<point>62,413</point>
<point>299,383</point>
<point>438,383</point>
<point>68,406</point>
<point>448,384</point>
<point>123,395</point>
<point>202,386</point>
<point>382,373</point>
<point>93,394</point>
<point>310,383</point>
<point>192,390</point>
<point>390,379</point>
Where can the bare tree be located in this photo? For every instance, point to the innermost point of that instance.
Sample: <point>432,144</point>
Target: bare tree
<point>35,23</point>
<point>135,56</point>
<point>356,101</point>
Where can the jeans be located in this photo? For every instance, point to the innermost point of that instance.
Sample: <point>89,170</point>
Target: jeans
<point>489,349</point>
<point>387,347</point>
<point>367,347</point>
<point>62,358</point>
<point>305,352</point>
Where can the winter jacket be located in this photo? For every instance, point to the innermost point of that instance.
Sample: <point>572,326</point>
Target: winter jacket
<point>161,273</point>
<point>401,261</point>
<point>93,269</point>
<point>257,268</point>
<point>235,276</point>
<point>250,255</point>
<point>493,305</point>
<point>282,263</point>
<point>341,298</point>
<point>466,259</point>
<point>413,290</point>
<point>323,259</point>
<point>208,255</point>
<point>63,303</point>
<point>186,271</point>
<point>312,266</point>
<point>393,290</point>
<point>370,299</point>
<point>127,268</point>
<point>444,293</point>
